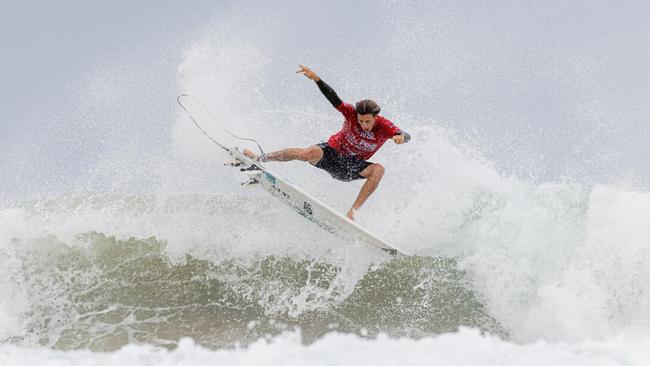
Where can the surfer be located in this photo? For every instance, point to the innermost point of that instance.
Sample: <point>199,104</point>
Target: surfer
<point>345,155</point>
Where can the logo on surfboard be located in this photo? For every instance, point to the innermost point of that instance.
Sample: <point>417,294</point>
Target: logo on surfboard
<point>269,177</point>
<point>307,208</point>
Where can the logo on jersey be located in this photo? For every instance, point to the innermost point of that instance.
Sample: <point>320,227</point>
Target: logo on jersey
<point>366,146</point>
<point>367,135</point>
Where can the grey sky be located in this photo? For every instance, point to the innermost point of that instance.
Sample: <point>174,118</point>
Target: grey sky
<point>550,89</point>
<point>47,43</point>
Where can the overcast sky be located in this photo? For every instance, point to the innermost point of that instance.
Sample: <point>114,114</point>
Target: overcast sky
<point>46,43</point>
<point>554,87</point>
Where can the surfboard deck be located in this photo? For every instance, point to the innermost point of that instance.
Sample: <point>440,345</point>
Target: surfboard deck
<point>308,206</point>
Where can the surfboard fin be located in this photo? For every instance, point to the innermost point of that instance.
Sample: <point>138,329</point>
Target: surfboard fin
<point>233,163</point>
<point>252,180</point>
<point>253,168</point>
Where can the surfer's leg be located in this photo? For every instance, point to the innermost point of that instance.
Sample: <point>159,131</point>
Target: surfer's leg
<point>311,154</point>
<point>373,174</point>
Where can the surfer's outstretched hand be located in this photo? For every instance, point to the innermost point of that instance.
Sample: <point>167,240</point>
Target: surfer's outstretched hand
<point>308,73</point>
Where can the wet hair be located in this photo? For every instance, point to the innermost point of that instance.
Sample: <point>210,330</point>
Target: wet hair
<point>368,106</point>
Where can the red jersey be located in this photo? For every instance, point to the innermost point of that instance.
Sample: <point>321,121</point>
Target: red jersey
<point>352,140</point>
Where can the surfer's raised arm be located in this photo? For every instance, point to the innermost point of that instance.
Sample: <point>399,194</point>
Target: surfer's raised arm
<point>329,93</point>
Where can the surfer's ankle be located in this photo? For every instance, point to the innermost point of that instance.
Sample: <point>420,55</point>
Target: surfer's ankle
<point>351,212</point>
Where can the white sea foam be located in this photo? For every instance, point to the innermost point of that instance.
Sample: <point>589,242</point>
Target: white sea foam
<point>467,347</point>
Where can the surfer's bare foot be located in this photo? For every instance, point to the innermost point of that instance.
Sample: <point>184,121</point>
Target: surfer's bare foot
<point>250,154</point>
<point>351,213</point>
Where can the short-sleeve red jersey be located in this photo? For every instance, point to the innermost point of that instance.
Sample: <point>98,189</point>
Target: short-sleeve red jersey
<point>352,140</point>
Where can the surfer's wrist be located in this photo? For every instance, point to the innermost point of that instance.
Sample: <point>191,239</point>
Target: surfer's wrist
<point>405,135</point>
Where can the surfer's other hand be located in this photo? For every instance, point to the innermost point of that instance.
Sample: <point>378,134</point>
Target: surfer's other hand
<point>399,139</point>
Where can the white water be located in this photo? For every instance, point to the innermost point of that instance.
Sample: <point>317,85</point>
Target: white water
<point>464,348</point>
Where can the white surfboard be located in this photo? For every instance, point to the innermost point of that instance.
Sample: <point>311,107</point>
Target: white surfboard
<point>308,206</point>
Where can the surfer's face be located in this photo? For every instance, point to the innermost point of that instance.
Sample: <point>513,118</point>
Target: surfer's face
<point>367,121</point>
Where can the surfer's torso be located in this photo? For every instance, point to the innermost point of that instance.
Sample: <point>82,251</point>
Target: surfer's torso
<point>351,140</point>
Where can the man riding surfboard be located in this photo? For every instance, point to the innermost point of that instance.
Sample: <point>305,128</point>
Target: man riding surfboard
<point>346,153</point>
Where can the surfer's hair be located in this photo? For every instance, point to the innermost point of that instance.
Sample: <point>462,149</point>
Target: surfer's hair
<point>368,106</point>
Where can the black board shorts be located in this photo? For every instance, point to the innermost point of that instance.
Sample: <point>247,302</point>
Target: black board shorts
<point>345,168</point>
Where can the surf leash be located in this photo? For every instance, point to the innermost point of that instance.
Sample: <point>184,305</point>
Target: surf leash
<point>178,99</point>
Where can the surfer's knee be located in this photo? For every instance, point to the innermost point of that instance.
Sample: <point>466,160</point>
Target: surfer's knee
<point>379,170</point>
<point>375,171</point>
